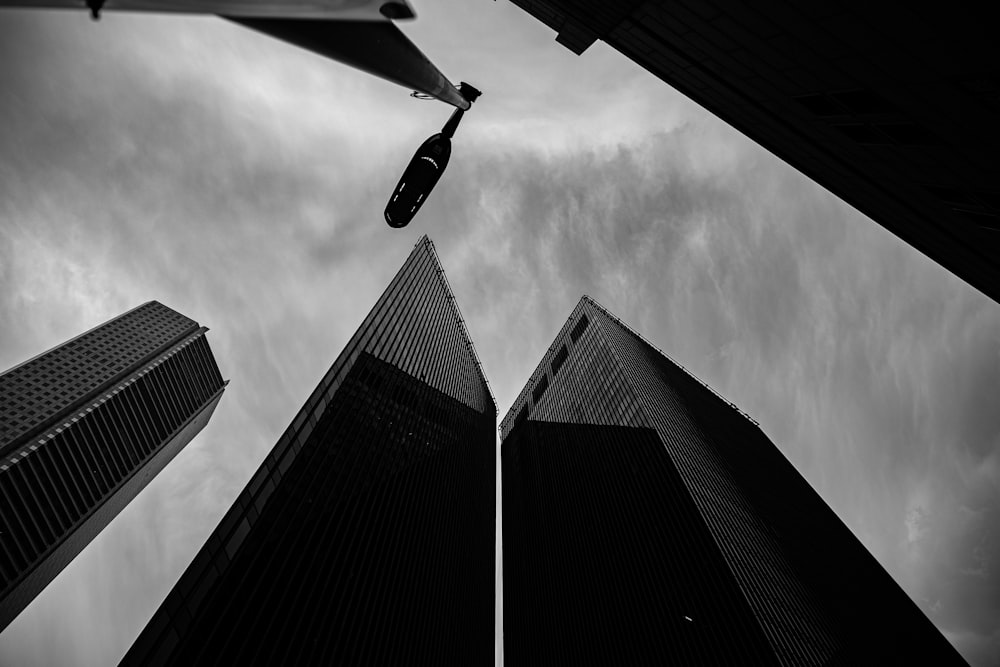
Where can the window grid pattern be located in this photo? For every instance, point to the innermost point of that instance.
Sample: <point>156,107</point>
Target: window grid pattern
<point>52,489</point>
<point>402,425</point>
<point>36,392</point>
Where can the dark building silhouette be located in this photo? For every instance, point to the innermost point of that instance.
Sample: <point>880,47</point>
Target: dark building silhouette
<point>646,520</point>
<point>84,427</point>
<point>891,107</point>
<point>367,535</point>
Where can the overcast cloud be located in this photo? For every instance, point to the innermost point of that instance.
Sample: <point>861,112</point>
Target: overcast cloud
<point>241,182</point>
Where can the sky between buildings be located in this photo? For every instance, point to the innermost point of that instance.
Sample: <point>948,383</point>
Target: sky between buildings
<point>241,181</point>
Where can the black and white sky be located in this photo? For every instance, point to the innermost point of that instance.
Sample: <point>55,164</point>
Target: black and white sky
<point>241,181</point>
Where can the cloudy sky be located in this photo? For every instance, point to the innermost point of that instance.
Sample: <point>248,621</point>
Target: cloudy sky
<point>241,181</point>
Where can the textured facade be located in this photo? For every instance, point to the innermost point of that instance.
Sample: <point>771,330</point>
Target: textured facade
<point>84,427</point>
<point>367,535</point>
<point>893,108</point>
<point>646,520</point>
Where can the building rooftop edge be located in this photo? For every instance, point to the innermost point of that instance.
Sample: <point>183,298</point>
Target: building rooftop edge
<point>61,418</point>
<point>90,330</point>
<point>586,298</point>
<point>638,335</point>
<point>428,243</point>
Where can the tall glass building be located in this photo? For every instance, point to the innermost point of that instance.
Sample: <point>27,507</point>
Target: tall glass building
<point>367,535</point>
<point>646,520</point>
<point>84,427</point>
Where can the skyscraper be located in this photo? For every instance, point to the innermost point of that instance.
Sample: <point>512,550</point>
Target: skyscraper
<point>84,427</point>
<point>646,520</point>
<point>891,108</point>
<point>367,535</point>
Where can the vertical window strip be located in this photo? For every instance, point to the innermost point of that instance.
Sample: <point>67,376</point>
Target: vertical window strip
<point>172,396</point>
<point>152,411</point>
<point>190,392</point>
<point>86,457</point>
<point>126,415</point>
<point>69,473</point>
<point>84,476</point>
<point>114,444</point>
<point>94,434</point>
<point>45,493</point>
<point>155,383</point>
<point>211,380</point>
<point>403,322</point>
<point>14,552</point>
<point>392,302</point>
<point>199,377</point>
<point>200,372</point>
<point>112,422</point>
<point>183,379</point>
<point>33,506</point>
<point>52,468</point>
<point>24,532</point>
<point>170,389</point>
<point>420,340</point>
<point>98,444</point>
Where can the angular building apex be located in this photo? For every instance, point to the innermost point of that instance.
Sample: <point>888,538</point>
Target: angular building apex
<point>649,344</point>
<point>647,520</point>
<point>586,315</point>
<point>367,534</point>
<point>426,242</point>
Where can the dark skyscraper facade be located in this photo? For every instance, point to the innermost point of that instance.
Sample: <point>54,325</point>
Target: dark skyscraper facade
<point>367,535</point>
<point>84,427</point>
<point>891,107</point>
<point>646,520</point>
